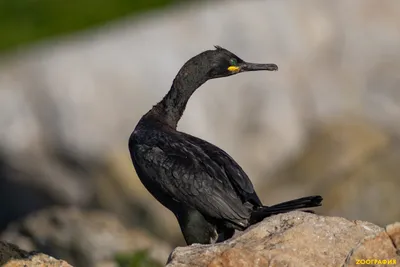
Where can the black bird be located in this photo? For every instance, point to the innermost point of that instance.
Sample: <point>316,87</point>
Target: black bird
<point>208,192</point>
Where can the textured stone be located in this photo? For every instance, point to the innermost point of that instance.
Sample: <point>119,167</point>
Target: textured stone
<point>393,230</point>
<point>9,251</point>
<point>238,258</point>
<point>13,256</point>
<point>295,239</point>
<point>39,260</point>
<point>379,250</point>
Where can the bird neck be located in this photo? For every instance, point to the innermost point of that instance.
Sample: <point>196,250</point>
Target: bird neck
<point>170,109</point>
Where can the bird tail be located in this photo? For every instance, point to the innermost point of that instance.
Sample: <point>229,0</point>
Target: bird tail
<point>295,204</point>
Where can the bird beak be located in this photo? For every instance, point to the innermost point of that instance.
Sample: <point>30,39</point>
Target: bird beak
<point>246,66</point>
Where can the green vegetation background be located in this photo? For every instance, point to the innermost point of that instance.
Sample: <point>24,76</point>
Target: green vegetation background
<point>25,21</point>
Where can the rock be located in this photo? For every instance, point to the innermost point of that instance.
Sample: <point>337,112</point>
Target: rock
<point>83,238</point>
<point>39,260</point>
<point>393,230</point>
<point>10,251</point>
<point>381,249</point>
<point>12,256</point>
<point>295,239</point>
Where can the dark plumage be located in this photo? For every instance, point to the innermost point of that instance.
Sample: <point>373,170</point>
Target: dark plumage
<point>208,192</point>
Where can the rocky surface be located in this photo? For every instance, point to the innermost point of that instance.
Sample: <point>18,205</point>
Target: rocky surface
<point>297,239</point>
<point>379,250</point>
<point>83,238</point>
<point>10,251</point>
<point>12,256</point>
<point>67,107</point>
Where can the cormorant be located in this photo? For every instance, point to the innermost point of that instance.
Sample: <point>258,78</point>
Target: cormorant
<point>208,192</point>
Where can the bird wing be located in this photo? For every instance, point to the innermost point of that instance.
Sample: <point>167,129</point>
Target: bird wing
<point>232,169</point>
<point>184,171</point>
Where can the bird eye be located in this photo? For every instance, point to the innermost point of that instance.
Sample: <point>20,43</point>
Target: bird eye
<point>233,62</point>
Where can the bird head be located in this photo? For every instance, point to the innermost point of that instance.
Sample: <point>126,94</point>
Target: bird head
<point>222,63</point>
<point>213,64</point>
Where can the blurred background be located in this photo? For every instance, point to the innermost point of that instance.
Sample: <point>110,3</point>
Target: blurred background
<point>76,76</point>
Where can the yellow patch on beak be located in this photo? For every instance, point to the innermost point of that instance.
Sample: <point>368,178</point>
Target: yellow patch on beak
<point>234,69</point>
